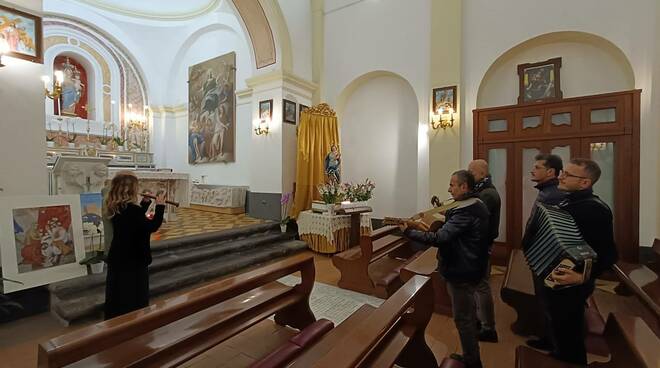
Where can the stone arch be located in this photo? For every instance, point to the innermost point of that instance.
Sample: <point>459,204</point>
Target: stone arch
<point>501,73</point>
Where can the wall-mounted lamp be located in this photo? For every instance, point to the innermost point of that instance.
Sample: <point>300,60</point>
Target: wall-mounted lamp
<point>262,128</point>
<point>443,117</point>
<point>4,49</point>
<point>57,85</point>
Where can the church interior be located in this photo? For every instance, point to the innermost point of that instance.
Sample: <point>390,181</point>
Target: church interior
<point>329,183</point>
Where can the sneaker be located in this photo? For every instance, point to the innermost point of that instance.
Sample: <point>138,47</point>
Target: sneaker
<point>540,344</point>
<point>488,335</point>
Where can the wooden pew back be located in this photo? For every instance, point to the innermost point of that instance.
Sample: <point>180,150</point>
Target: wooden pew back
<point>201,319</point>
<point>393,333</point>
<point>645,285</point>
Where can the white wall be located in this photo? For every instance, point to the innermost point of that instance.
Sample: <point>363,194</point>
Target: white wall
<point>22,114</point>
<point>298,17</point>
<point>379,141</point>
<point>589,66</point>
<point>387,35</point>
<point>631,26</point>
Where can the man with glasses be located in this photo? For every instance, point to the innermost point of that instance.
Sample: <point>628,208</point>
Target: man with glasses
<point>593,217</point>
<point>544,173</point>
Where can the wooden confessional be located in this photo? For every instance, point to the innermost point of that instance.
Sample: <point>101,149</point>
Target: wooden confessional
<point>602,127</point>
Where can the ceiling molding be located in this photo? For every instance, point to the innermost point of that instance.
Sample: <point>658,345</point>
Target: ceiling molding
<point>155,15</point>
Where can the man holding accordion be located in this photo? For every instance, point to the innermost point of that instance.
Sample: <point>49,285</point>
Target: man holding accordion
<point>564,303</point>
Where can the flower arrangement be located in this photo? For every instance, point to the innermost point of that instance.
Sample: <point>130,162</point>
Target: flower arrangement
<point>71,138</point>
<point>331,192</point>
<point>359,192</point>
<point>118,141</point>
<point>285,206</point>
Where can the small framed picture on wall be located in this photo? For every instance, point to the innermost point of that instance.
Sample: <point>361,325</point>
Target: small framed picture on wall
<point>265,109</point>
<point>444,97</point>
<point>21,33</point>
<point>301,108</point>
<point>289,112</point>
<point>539,81</point>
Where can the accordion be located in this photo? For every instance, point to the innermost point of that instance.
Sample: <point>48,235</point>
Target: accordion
<point>557,244</point>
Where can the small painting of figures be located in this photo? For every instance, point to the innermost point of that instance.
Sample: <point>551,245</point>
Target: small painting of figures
<point>211,110</point>
<point>43,237</point>
<point>22,33</point>
<point>41,240</point>
<point>91,205</point>
<point>74,87</point>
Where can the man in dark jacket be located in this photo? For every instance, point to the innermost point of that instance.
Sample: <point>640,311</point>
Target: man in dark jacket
<point>486,191</point>
<point>545,174</point>
<point>462,243</point>
<point>594,219</point>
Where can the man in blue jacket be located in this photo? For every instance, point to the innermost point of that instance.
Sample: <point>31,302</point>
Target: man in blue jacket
<point>463,243</point>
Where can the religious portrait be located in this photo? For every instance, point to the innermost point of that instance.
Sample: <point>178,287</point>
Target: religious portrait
<point>539,81</point>
<point>211,110</point>
<point>73,100</point>
<point>289,112</point>
<point>41,239</point>
<point>445,98</point>
<point>22,32</point>
<point>265,109</point>
<point>92,222</point>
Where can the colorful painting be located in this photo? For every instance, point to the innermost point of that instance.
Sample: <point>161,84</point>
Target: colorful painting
<point>41,240</point>
<point>91,205</point>
<point>211,110</point>
<point>444,98</point>
<point>22,32</point>
<point>288,111</point>
<point>266,110</point>
<point>74,87</point>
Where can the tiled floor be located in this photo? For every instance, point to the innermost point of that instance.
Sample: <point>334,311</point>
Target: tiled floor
<point>190,221</point>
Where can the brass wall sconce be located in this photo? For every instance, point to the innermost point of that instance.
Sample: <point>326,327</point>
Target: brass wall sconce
<point>443,118</point>
<point>4,49</point>
<point>262,128</point>
<point>57,85</point>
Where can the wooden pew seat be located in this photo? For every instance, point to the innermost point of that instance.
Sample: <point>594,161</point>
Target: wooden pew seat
<point>173,331</point>
<point>631,343</point>
<point>426,264</point>
<point>645,285</point>
<point>373,267</point>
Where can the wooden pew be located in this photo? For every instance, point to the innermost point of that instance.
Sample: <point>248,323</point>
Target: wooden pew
<point>427,265</point>
<point>391,334</point>
<point>373,267</point>
<point>645,285</point>
<point>518,291</point>
<point>173,331</point>
<point>631,343</point>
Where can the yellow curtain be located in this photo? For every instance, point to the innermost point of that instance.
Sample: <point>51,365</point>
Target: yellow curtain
<point>317,132</point>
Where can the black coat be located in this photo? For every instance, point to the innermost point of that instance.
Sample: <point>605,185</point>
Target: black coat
<point>488,194</point>
<point>462,242</point>
<point>594,219</point>
<point>130,246</point>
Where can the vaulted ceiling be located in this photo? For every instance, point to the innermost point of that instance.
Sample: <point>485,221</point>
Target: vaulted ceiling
<point>155,9</point>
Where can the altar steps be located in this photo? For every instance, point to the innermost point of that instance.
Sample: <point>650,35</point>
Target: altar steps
<point>179,263</point>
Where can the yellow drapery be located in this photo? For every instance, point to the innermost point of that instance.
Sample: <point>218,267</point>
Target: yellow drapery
<point>317,132</point>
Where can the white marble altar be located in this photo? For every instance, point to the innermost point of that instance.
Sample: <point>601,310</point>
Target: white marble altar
<point>75,175</point>
<point>218,195</point>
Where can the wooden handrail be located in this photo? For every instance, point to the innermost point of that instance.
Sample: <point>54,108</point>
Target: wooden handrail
<point>82,343</point>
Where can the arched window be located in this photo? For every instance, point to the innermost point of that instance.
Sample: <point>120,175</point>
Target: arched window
<point>74,98</point>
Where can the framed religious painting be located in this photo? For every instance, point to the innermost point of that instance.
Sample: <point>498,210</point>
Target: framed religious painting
<point>41,240</point>
<point>23,34</point>
<point>289,112</point>
<point>539,81</point>
<point>265,110</point>
<point>444,97</point>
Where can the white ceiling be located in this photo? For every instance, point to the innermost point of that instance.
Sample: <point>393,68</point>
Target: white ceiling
<point>155,9</point>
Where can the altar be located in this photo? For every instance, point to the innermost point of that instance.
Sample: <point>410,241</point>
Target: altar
<point>176,185</point>
<point>327,233</point>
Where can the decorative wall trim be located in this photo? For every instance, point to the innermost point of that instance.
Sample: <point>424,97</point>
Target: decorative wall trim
<point>211,5</point>
<point>279,77</point>
<point>261,34</point>
<point>169,109</point>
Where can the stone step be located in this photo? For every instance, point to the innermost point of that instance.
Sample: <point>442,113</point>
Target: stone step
<point>174,257</point>
<point>90,302</point>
